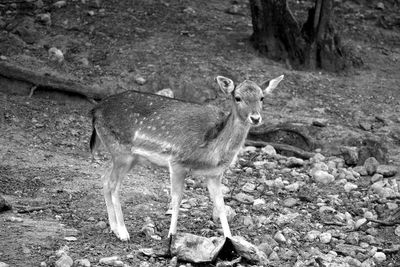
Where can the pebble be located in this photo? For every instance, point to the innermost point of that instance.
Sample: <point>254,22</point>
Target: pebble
<point>166,92</point>
<point>70,238</point>
<point>140,80</point>
<point>318,157</point>
<point>82,263</point>
<point>361,170</point>
<point>370,165</point>
<point>268,150</point>
<point>44,18</point>
<point>14,219</point>
<point>279,237</point>
<point>111,261</point>
<point>56,54</point>
<point>360,222</point>
<point>259,201</point>
<point>249,187</point>
<point>325,238</point>
<point>293,187</point>
<point>397,231</point>
<point>60,4</point>
<point>243,197</point>
<point>348,187</point>
<point>3,264</point>
<point>266,248</point>
<point>64,261</point>
<point>273,256</point>
<point>323,177</point>
<point>387,170</point>
<point>312,235</point>
<point>101,225</point>
<point>294,162</point>
<point>290,202</point>
<point>380,6</point>
<point>379,257</point>
<point>376,177</point>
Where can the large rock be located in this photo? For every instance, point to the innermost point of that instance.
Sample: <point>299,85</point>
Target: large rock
<point>387,170</point>
<point>371,164</point>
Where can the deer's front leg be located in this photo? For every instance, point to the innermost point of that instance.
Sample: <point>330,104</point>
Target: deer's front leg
<point>215,188</point>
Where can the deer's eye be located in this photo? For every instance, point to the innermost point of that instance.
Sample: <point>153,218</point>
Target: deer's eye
<point>238,99</point>
<point>262,99</point>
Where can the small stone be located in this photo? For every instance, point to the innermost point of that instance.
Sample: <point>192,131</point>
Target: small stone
<point>348,187</point>
<point>318,157</point>
<point>70,238</point>
<point>371,164</point>
<point>266,248</point>
<point>44,18</point>
<point>248,221</point>
<point>4,205</point>
<point>268,150</point>
<point>56,54</point>
<point>60,4</point>
<point>312,235</point>
<point>290,202</point>
<point>91,219</point>
<point>173,262</point>
<point>365,125</point>
<point>42,264</point>
<point>350,155</point>
<point>325,238</point>
<point>14,219</point>
<point>360,222</point>
<point>249,187</point>
<point>323,177</point>
<point>140,80</point>
<point>293,187</point>
<point>259,201</point>
<point>273,256</point>
<point>3,264</point>
<point>82,263</point>
<point>387,170</point>
<point>293,162</point>
<point>380,6</point>
<point>91,13</point>
<point>279,237</point>
<point>392,206</point>
<point>101,225</point>
<point>376,177</point>
<point>379,257</point>
<point>353,238</point>
<point>64,261</point>
<point>166,92</point>
<point>361,170</point>
<point>242,197</point>
<point>112,261</point>
<point>397,231</point>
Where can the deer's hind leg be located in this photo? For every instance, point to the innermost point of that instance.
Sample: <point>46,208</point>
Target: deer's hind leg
<point>121,165</point>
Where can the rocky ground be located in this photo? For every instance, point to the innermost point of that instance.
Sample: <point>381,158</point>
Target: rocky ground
<point>329,210</point>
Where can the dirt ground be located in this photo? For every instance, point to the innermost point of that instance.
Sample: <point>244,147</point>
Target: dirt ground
<point>44,142</point>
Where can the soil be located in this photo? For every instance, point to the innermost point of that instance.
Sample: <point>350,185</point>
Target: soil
<point>182,45</point>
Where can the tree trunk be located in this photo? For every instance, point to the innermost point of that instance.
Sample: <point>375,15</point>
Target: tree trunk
<point>278,35</point>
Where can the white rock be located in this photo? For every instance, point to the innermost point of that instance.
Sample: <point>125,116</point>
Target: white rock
<point>64,261</point>
<point>269,150</point>
<point>249,187</point>
<point>166,92</point>
<point>348,187</point>
<point>242,197</point>
<point>318,157</point>
<point>56,54</point>
<point>111,261</point>
<point>312,235</point>
<point>82,263</point>
<point>279,237</point>
<point>249,149</point>
<point>3,264</point>
<point>325,237</point>
<point>140,80</point>
<point>379,257</point>
<point>323,177</point>
<point>60,4</point>
<point>293,187</point>
<point>360,222</point>
<point>259,201</point>
<point>70,238</point>
<point>397,231</point>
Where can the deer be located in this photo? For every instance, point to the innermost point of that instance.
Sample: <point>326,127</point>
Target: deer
<point>185,137</point>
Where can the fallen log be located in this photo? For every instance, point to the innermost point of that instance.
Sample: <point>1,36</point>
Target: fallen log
<point>49,79</point>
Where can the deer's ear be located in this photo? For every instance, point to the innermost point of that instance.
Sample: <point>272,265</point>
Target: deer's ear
<point>271,84</point>
<point>227,86</point>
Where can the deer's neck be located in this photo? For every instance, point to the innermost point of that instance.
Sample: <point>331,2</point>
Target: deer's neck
<point>231,138</point>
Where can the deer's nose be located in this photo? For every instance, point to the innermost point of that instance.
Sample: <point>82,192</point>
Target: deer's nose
<point>255,119</point>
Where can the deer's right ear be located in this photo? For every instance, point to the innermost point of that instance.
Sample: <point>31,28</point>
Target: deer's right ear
<point>227,86</point>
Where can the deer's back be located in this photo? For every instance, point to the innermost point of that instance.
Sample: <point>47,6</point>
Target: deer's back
<point>160,124</point>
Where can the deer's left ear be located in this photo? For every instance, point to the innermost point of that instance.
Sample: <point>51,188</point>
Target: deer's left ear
<point>227,86</point>
<point>271,84</point>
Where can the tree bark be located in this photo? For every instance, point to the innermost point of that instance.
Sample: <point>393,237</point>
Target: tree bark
<point>277,34</point>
